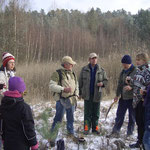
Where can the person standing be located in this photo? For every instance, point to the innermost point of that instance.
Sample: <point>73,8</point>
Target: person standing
<point>16,120</point>
<point>7,70</point>
<point>146,137</point>
<point>124,94</point>
<point>64,86</point>
<point>91,81</point>
<point>140,81</point>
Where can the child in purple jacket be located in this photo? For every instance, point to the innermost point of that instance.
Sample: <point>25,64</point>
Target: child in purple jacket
<point>16,120</point>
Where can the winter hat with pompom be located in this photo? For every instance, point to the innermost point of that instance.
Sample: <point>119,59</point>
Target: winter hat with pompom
<point>6,57</point>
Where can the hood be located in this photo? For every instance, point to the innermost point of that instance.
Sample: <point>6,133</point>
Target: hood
<point>11,99</point>
<point>14,94</point>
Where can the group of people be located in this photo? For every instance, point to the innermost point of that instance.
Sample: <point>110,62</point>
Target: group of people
<point>133,90</point>
<point>66,91</point>
<point>17,130</point>
<point>133,93</point>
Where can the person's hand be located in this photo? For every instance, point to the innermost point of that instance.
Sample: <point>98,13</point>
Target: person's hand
<point>35,147</point>
<point>2,85</point>
<point>128,88</point>
<point>116,99</point>
<point>5,87</point>
<point>100,84</point>
<point>79,97</point>
<point>142,92</point>
<point>67,89</point>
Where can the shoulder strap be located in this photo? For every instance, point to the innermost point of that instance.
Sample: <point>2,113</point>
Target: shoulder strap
<point>60,79</point>
<point>60,76</point>
<point>75,77</point>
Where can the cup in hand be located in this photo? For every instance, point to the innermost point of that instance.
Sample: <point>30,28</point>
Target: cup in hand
<point>1,86</point>
<point>128,78</point>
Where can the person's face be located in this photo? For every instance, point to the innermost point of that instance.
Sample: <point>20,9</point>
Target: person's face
<point>126,66</point>
<point>10,65</point>
<point>140,62</point>
<point>68,66</point>
<point>93,61</point>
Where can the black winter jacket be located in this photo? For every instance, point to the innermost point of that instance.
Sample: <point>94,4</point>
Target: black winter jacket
<point>17,124</point>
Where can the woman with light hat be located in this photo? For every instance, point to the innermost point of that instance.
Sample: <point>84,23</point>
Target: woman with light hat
<point>7,70</point>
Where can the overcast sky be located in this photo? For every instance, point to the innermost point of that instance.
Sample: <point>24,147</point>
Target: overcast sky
<point>84,5</point>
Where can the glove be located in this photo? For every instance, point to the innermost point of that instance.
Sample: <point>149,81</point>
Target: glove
<point>35,147</point>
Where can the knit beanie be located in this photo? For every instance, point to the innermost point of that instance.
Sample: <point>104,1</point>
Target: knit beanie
<point>126,59</point>
<point>6,57</point>
<point>17,83</point>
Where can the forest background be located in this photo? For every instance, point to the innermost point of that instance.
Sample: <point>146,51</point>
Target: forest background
<point>39,40</point>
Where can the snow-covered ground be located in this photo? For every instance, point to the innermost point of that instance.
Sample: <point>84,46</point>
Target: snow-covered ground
<point>93,142</point>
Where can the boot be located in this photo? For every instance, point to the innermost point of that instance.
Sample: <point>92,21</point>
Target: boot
<point>86,130</point>
<point>96,131</point>
<point>136,145</point>
<point>52,143</point>
<point>113,135</point>
<point>73,137</point>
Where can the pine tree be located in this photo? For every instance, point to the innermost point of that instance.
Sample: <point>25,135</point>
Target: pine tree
<point>45,129</point>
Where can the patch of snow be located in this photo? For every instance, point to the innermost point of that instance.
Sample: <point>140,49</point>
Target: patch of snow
<point>93,142</point>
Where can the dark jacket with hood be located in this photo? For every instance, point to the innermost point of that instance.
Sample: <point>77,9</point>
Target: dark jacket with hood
<point>16,122</point>
<point>125,95</point>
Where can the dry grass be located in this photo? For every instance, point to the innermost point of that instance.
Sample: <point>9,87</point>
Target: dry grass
<point>37,77</point>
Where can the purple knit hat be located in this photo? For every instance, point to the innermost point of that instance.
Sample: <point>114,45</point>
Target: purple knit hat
<point>17,83</point>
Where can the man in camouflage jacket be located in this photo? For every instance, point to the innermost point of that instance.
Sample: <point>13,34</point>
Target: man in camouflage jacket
<point>64,85</point>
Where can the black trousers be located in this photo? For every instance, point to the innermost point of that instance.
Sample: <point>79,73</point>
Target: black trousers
<point>139,117</point>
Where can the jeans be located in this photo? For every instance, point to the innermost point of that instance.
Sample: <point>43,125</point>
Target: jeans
<point>146,140</point>
<point>121,111</point>
<point>60,109</point>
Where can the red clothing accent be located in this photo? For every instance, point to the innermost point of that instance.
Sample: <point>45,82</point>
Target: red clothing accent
<point>15,94</point>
